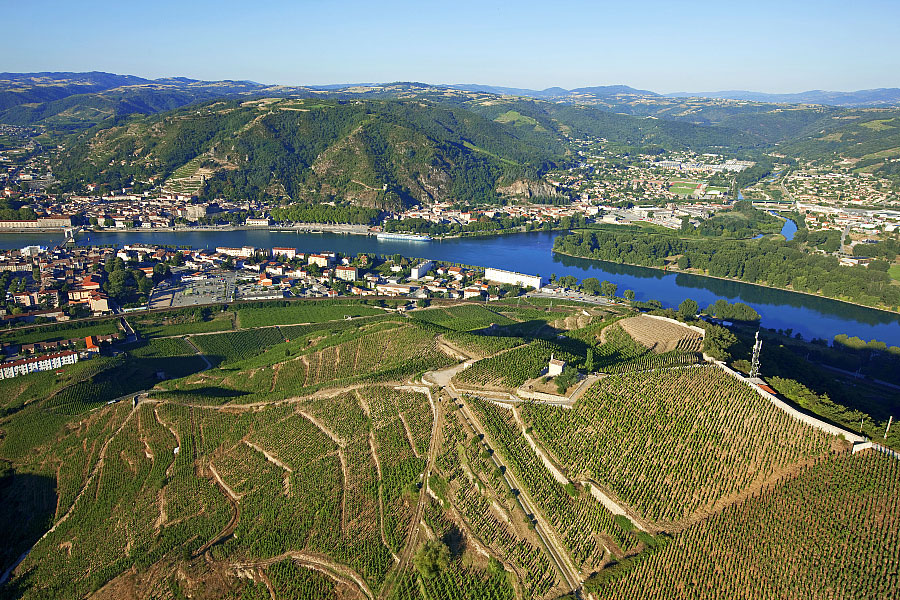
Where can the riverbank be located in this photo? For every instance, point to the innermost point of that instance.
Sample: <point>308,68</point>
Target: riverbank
<point>674,270</point>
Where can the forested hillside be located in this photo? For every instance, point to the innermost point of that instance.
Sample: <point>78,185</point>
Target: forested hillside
<point>376,153</point>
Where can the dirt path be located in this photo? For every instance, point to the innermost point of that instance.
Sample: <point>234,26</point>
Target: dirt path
<point>454,351</point>
<point>235,515</point>
<point>272,459</point>
<point>605,497</point>
<point>409,436</point>
<point>200,354</point>
<point>324,429</point>
<point>343,460</point>
<point>325,565</point>
<point>380,497</point>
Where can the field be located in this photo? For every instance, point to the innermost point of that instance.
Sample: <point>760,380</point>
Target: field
<point>183,323</point>
<point>684,187</point>
<point>315,461</point>
<point>661,336</point>
<point>894,272</point>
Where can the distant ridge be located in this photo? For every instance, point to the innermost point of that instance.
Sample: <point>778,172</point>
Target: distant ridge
<point>551,92</point>
<point>874,97</point>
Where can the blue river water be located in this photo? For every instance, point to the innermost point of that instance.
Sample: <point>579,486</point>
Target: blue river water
<point>532,253</point>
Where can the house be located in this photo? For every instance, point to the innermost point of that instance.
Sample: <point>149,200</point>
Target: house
<point>472,292</point>
<point>555,367</point>
<point>346,273</point>
<point>258,222</point>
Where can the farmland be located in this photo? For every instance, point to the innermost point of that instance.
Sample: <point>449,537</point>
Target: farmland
<point>311,459</point>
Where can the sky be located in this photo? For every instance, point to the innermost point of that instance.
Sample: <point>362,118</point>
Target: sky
<point>785,46</point>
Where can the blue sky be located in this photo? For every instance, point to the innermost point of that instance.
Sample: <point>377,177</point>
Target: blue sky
<point>784,46</point>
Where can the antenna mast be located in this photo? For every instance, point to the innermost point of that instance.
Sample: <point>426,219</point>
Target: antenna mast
<point>757,348</point>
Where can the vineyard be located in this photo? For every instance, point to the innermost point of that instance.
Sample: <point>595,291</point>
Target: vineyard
<point>511,369</point>
<point>309,462</point>
<point>661,336</point>
<point>831,532</point>
<point>620,353</point>
<point>302,312</point>
<point>672,443</point>
<point>230,347</point>
<point>461,318</point>
<point>585,526</point>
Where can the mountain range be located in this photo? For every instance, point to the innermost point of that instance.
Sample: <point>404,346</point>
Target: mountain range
<point>395,144</point>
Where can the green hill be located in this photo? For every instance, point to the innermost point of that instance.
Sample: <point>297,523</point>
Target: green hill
<point>372,152</point>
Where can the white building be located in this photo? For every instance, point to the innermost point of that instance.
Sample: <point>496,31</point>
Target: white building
<point>243,252</point>
<point>501,276</point>
<point>258,222</point>
<point>420,270</point>
<point>40,363</point>
<point>287,253</point>
<point>346,273</point>
<point>555,367</point>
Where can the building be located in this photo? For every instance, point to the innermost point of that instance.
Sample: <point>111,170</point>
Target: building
<point>287,253</point>
<point>243,252</point>
<point>555,367</point>
<point>322,260</point>
<point>346,273</point>
<point>511,277</point>
<point>258,222</point>
<point>40,363</point>
<point>420,270</point>
<point>394,289</point>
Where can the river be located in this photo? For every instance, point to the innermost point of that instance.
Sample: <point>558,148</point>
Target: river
<point>532,253</point>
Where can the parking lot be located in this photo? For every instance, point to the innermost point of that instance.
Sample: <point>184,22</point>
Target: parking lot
<point>216,288</point>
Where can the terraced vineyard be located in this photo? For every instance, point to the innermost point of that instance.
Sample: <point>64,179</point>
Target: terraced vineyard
<point>672,443</point>
<point>511,369</point>
<point>315,461</point>
<point>831,532</point>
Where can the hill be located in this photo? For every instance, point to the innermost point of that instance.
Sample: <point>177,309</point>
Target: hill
<point>376,153</point>
<point>317,461</point>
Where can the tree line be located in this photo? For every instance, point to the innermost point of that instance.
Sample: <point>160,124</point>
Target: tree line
<point>782,264</point>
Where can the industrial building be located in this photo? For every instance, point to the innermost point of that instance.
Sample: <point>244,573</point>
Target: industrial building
<point>501,276</point>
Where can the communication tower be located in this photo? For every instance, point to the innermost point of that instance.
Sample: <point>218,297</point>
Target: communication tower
<point>757,347</point>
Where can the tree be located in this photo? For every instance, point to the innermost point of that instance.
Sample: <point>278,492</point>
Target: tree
<point>718,341</point>
<point>591,285</point>
<point>688,309</point>
<point>432,558</point>
<point>589,361</point>
<point>608,289</point>
<point>628,295</point>
<point>161,271</point>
